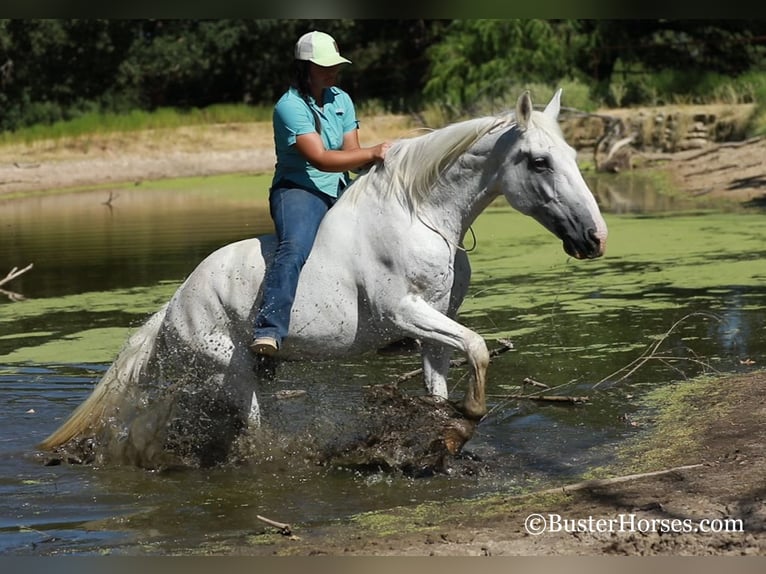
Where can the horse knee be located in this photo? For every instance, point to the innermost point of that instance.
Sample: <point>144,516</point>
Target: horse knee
<point>478,354</point>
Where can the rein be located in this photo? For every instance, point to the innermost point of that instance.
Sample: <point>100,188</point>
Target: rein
<point>447,240</point>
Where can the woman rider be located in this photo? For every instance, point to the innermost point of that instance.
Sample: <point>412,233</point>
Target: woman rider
<point>317,143</point>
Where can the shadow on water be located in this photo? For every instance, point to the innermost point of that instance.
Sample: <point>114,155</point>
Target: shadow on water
<point>100,272</point>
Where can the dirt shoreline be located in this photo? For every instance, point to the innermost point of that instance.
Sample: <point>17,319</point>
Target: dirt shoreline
<point>191,151</point>
<point>731,170</point>
<point>727,446</point>
<point>702,461</point>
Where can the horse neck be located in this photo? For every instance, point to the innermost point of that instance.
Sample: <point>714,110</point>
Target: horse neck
<point>463,191</point>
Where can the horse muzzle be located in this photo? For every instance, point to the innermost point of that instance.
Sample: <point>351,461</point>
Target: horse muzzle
<point>590,245</point>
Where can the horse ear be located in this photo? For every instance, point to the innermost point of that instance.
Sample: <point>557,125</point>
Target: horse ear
<point>554,106</point>
<point>523,109</point>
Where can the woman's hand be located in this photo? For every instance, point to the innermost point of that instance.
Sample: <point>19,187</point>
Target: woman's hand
<point>378,154</point>
<point>379,151</point>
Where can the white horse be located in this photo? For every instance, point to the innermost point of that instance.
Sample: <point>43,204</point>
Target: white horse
<point>387,264</point>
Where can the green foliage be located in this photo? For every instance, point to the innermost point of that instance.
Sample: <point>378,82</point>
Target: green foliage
<point>480,60</point>
<point>753,86</point>
<point>575,94</point>
<point>55,70</point>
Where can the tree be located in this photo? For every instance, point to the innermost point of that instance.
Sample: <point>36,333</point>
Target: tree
<point>482,58</point>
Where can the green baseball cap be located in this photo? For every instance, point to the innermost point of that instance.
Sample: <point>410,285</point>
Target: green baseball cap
<point>319,48</point>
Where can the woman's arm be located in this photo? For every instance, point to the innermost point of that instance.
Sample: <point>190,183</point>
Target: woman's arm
<point>350,157</point>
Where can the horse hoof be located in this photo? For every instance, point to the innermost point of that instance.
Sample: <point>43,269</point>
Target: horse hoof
<point>456,433</point>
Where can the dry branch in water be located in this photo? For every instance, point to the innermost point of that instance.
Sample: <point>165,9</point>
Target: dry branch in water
<point>12,274</point>
<point>15,272</point>
<point>552,398</point>
<point>651,353</point>
<point>538,396</point>
<point>283,527</point>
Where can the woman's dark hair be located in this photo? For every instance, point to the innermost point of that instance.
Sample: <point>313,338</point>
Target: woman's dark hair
<point>301,83</point>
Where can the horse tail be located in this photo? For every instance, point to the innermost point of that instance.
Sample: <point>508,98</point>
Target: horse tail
<point>124,370</point>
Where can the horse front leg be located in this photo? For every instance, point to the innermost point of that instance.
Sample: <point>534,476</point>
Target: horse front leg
<point>436,329</point>
<point>436,358</point>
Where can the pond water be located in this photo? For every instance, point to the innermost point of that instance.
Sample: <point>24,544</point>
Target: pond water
<point>100,270</point>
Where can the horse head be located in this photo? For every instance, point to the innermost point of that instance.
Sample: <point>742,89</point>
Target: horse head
<point>539,177</point>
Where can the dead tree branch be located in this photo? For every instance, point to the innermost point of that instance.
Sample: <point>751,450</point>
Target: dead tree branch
<point>551,398</point>
<point>283,527</point>
<point>651,353</point>
<point>12,274</point>
<point>599,482</point>
<point>15,272</point>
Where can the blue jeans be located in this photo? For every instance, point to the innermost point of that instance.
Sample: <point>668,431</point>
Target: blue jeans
<point>297,214</point>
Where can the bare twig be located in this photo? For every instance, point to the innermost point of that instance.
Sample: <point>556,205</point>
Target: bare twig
<point>505,345</point>
<point>651,353</point>
<point>599,482</point>
<point>534,383</point>
<point>283,527</point>
<point>15,272</point>
<point>540,397</point>
<point>12,274</point>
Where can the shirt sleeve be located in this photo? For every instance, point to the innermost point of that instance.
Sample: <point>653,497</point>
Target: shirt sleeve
<point>292,117</point>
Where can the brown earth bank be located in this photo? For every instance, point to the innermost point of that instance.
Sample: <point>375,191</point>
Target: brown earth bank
<point>712,167</point>
<point>192,151</point>
<point>693,485</point>
<point>703,458</point>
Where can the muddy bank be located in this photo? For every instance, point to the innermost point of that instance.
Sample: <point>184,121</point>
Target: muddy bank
<point>717,163</point>
<point>699,466</point>
<point>120,158</point>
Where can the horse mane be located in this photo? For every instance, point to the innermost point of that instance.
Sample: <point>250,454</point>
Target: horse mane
<point>413,165</point>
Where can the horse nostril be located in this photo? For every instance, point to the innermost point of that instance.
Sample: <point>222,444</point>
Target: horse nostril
<point>598,241</point>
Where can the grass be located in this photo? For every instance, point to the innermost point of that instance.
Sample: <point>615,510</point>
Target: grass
<point>137,120</point>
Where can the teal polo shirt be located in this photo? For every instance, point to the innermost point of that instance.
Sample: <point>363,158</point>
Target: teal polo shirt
<point>292,117</point>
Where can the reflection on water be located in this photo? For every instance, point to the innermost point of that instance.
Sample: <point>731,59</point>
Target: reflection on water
<point>142,237</point>
<point>99,271</point>
<point>638,193</point>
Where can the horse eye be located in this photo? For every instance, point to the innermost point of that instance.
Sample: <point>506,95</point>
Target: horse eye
<point>539,163</point>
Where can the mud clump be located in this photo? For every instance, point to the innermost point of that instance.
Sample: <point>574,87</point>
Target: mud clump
<point>415,435</point>
<point>389,431</point>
